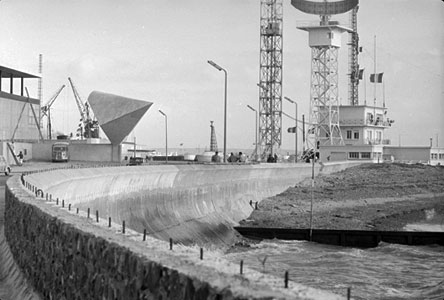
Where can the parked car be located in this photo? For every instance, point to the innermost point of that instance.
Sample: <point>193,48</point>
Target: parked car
<point>60,152</point>
<point>4,167</point>
<point>135,161</point>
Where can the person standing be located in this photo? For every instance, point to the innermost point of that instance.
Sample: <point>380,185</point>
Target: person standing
<point>216,158</point>
<point>20,157</point>
<point>242,157</point>
<point>232,158</point>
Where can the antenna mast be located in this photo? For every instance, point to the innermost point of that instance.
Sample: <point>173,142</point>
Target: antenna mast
<point>40,92</point>
<point>353,58</point>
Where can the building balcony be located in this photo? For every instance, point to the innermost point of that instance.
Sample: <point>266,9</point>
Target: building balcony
<point>365,122</point>
<point>352,122</point>
<point>374,141</point>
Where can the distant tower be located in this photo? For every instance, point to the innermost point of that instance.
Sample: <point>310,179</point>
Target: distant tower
<point>353,53</point>
<point>324,41</point>
<point>213,142</point>
<point>40,91</point>
<point>270,77</point>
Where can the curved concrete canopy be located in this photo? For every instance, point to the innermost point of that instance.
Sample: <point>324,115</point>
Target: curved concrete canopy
<point>117,115</point>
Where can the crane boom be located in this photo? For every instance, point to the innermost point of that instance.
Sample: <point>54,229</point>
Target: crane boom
<point>45,108</point>
<point>79,102</point>
<point>89,127</point>
<point>46,111</point>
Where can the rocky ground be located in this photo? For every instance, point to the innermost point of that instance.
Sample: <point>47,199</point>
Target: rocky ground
<point>365,197</point>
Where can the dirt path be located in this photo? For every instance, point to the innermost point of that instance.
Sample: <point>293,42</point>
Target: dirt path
<point>368,197</point>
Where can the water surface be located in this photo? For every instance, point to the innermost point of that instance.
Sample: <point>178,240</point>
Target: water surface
<point>388,271</point>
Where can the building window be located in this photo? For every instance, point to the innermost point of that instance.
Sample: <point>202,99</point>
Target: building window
<point>330,35</point>
<point>370,118</point>
<point>349,134</point>
<point>365,155</point>
<point>370,135</point>
<point>379,136</point>
<point>434,155</point>
<point>356,135</point>
<point>441,156</point>
<point>353,155</point>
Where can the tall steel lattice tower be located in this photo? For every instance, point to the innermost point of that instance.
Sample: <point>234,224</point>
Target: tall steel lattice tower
<point>270,77</point>
<point>353,52</point>
<point>40,88</point>
<point>324,41</point>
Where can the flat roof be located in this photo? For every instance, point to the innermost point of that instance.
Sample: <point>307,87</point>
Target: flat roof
<point>7,72</point>
<point>361,105</point>
<point>329,26</point>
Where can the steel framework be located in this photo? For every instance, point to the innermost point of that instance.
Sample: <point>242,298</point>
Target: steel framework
<point>353,52</point>
<point>270,77</point>
<point>324,101</point>
<point>324,111</point>
<point>45,110</point>
<point>40,90</point>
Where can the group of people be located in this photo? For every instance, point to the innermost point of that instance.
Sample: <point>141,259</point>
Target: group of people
<point>241,158</point>
<point>272,159</point>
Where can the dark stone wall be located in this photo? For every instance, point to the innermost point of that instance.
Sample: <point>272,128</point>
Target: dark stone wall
<point>64,262</point>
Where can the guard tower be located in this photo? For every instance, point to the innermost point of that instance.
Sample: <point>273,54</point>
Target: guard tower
<point>324,41</point>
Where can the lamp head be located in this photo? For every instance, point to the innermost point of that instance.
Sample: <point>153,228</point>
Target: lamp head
<point>215,65</point>
<point>262,87</point>
<point>251,107</point>
<point>289,100</point>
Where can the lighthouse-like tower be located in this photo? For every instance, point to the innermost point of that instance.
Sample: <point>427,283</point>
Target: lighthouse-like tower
<point>324,40</point>
<point>213,141</point>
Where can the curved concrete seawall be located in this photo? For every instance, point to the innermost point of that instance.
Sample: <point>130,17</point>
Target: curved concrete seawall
<point>67,256</point>
<point>188,203</point>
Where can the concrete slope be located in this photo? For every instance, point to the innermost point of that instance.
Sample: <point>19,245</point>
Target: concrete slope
<point>189,203</point>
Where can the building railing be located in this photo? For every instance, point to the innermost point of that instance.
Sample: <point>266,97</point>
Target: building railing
<point>351,122</point>
<point>362,122</point>
<point>373,141</point>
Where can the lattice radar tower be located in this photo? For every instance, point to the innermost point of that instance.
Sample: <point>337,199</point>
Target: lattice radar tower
<point>324,40</point>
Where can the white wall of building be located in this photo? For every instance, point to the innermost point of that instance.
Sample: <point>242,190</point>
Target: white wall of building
<point>80,151</point>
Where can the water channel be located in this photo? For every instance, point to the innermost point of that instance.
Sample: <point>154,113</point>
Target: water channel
<point>388,271</point>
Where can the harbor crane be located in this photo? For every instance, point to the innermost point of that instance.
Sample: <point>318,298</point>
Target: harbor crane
<point>89,128</point>
<point>46,111</point>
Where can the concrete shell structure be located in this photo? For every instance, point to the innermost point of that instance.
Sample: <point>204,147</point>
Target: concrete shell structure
<point>117,115</point>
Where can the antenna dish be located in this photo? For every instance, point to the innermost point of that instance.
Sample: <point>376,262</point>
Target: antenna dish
<point>324,8</point>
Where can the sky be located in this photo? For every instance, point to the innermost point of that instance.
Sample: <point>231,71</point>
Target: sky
<point>157,51</point>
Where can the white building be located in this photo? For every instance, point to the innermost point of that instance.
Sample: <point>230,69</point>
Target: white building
<point>362,128</point>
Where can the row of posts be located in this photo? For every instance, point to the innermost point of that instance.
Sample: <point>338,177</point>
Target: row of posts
<point>39,192</point>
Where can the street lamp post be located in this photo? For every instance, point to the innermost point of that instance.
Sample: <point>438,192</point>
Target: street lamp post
<point>166,135</point>
<point>225,106</point>
<point>256,133</point>
<point>295,129</point>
